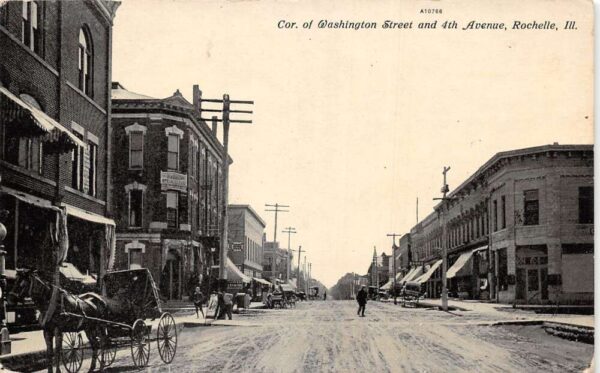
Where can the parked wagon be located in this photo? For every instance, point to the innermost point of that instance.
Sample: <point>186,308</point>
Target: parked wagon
<point>411,293</point>
<point>111,321</point>
<point>129,298</point>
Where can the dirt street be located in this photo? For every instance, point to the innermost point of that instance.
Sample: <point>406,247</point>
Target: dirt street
<point>329,337</point>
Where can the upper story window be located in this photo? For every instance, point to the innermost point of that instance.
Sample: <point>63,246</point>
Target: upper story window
<point>30,26</point>
<point>93,168</point>
<point>85,62</point>
<point>586,205</point>
<point>495,212</point>
<point>172,209</point>
<point>136,133</point>
<point>173,153</point>
<point>77,160</point>
<point>531,207</point>
<point>136,149</point>
<point>503,212</point>
<point>174,135</point>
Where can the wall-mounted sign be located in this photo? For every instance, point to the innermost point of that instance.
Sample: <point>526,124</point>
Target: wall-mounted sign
<point>173,181</point>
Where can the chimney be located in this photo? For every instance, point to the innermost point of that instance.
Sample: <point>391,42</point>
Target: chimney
<point>197,98</point>
<point>214,125</point>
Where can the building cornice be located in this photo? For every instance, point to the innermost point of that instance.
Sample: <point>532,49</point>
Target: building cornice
<point>157,106</point>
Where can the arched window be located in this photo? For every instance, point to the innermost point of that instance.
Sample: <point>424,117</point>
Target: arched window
<point>85,62</point>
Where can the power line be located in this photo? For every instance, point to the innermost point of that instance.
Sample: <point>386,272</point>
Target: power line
<point>276,208</point>
<point>289,231</point>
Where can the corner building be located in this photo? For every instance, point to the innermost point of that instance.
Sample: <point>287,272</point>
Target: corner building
<point>519,230</point>
<point>166,181</point>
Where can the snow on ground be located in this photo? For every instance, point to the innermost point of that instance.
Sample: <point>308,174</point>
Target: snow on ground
<point>329,337</point>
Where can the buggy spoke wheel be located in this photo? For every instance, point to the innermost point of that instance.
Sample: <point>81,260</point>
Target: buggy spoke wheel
<point>166,338</point>
<point>72,351</point>
<point>140,343</point>
<point>108,350</point>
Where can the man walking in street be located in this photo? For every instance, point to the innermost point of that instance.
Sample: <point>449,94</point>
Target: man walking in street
<point>228,304</point>
<point>361,298</point>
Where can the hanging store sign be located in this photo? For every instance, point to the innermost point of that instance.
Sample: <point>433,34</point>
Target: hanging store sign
<point>173,181</point>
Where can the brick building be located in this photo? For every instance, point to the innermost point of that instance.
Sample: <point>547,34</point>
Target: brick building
<point>55,69</point>
<point>275,260</point>
<point>246,229</point>
<point>520,229</point>
<point>166,185</point>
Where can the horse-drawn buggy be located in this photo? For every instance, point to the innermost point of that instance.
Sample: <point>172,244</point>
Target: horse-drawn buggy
<point>411,293</point>
<point>112,320</point>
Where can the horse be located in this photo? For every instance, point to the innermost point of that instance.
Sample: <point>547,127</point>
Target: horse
<point>54,321</point>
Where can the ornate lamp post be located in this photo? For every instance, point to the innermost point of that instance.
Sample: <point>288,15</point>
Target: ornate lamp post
<point>5,343</point>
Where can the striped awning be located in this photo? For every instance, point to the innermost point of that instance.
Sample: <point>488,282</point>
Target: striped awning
<point>427,275</point>
<point>16,110</point>
<point>262,281</point>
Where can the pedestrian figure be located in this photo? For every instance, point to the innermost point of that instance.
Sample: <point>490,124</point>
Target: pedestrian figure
<point>220,306</point>
<point>325,295</point>
<point>228,304</point>
<point>198,299</point>
<point>361,298</point>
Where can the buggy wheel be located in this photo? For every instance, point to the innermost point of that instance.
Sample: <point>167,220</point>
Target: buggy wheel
<point>166,338</point>
<point>140,343</point>
<point>108,350</point>
<point>72,351</point>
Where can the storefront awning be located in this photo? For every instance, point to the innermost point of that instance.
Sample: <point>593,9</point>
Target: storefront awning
<point>427,275</point>
<point>88,216</point>
<point>234,273</point>
<point>416,272</point>
<point>462,261</point>
<point>55,131</point>
<point>262,281</point>
<point>387,286</point>
<point>28,198</point>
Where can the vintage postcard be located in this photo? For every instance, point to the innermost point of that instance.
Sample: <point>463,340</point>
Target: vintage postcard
<point>297,186</point>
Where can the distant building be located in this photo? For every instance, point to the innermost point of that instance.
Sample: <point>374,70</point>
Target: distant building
<point>520,229</point>
<point>166,183</point>
<point>380,269</point>
<point>275,262</point>
<point>246,229</point>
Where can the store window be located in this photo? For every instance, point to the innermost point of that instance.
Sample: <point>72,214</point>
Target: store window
<point>586,205</point>
<point>172,209</point>
<point>135,258</point>
<point>30,30</point>
<point>532,207</point>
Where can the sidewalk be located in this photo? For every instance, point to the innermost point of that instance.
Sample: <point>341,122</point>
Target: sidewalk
<point>506,313</point>
<point>30,345</point>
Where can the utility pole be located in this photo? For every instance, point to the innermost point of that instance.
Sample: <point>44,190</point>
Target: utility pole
<point>309,273</point>
<point>289,231</point>
<point>276,208</point>
<point>305,275</point>
<point>225,111</point>
<point>444,207</point>
<point>300,251</point>
<point>394,235</point>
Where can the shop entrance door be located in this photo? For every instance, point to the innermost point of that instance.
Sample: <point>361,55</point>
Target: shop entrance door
<point>171,277</point>
<point>532,274</point>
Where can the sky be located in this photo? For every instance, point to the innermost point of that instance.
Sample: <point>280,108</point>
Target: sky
<point>350,127</point>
